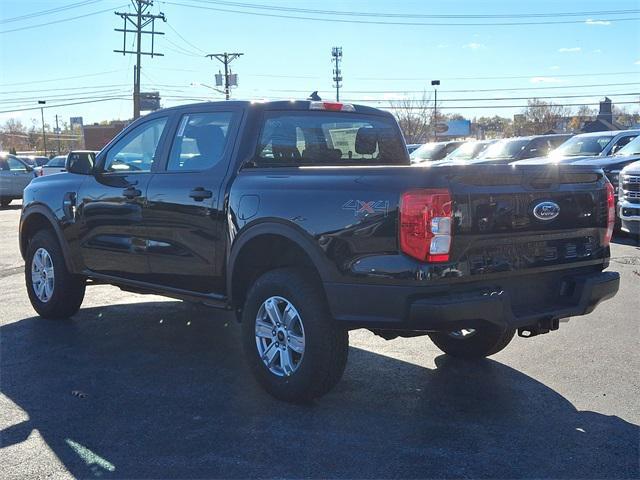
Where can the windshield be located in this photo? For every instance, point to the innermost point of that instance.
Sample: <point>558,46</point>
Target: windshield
<point>504,149</point>
<point>582,146</point>
<point>631,148</point>
<point>57,161</point>
<point>428,151</point>
<point>467,151</point>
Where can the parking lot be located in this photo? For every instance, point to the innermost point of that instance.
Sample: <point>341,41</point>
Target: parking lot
<point>146,387</point>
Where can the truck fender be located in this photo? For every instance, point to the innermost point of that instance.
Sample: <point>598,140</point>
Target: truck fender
<point>39,211</point>
<point>290,232</point>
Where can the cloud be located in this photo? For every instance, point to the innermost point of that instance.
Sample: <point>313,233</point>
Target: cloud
<point>597,50</point>
<point>474,46</point>
<point>569,49</point>
<point>637,62</point>
<point>554,67</point>
<point>442,45</point>
<point>591,21</point>
<point>545,80</point>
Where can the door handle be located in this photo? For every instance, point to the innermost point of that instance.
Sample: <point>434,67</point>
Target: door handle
<point>131,192</point>
<point>199,194</point>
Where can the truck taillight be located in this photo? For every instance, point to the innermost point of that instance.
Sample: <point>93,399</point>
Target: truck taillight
<point>611,215</point>
<point>425,224</point>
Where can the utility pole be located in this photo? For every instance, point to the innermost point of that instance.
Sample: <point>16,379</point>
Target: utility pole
<point>226,59</point>
<point>336,53</point>
<point>44,135</point>
<point>139,20</point>
<point>434,84</point>
<point>58,133</point>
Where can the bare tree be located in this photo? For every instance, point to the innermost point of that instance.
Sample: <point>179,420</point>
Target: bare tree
<point>540,116</point>
<point>414,117</point>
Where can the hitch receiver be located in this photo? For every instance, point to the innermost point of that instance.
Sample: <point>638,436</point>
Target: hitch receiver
<point>543,326</point>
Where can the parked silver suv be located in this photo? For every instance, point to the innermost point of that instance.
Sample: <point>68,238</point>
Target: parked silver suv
<point>629,198</point>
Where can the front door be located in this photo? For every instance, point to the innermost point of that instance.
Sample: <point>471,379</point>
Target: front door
<point>111,203</point>
<point>185,215</point>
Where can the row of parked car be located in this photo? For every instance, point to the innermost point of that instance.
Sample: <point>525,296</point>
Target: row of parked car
<point>611,150</point>
<point>16,171</point>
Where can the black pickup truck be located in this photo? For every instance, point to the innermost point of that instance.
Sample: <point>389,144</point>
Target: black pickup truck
<point>307,219</point>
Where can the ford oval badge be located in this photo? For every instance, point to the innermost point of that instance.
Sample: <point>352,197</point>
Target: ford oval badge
<point>546,211</point>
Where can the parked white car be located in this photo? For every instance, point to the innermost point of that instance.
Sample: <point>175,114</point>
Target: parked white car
<point>629,198</point>
<point>55,165</point>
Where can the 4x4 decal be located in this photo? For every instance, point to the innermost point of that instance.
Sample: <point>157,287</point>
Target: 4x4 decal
<point>365,207</point>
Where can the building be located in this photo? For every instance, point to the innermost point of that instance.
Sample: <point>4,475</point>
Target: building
<point>97,136</point>
<point>604,121</point>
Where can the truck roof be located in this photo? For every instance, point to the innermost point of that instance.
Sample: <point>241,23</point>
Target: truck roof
<point>301,105</point>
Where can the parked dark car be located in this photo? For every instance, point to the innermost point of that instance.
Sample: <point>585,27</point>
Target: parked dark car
<point>15,175</point>
<point>433,151</point>
<point>469,150</point>
<point>586,145</point>
<point>519,148</point>
<point>307,220</point>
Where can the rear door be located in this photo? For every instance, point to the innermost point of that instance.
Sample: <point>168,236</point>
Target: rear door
<point>111,203</point>
<point>184,219</point>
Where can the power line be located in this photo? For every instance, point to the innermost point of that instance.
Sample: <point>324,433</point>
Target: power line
<point>60,21</point>
<point>74,77</point>
<point>49,11</point>
<point>479,89</point>
<point>66,104</point>
<point>64,89</point>
<point>376,22</point>
<point>185,40</point>
<point>62,96</point>
<point>598,74</point>
<point>415,15</point>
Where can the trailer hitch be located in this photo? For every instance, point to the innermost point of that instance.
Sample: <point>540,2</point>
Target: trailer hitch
<point>542,326</point>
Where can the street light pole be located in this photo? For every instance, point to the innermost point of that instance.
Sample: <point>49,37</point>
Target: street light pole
<point>434,84</point>
<point>44,135</point>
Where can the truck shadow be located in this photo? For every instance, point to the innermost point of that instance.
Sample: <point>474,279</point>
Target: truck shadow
<point>160,390</point>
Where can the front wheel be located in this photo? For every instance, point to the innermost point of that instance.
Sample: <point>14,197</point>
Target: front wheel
<point>53,291</point>
<point>294,348</point>
<point>473,343</point>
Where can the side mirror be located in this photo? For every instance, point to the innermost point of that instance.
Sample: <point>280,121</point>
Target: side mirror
<point>29,168</point>
<point>80,164</point>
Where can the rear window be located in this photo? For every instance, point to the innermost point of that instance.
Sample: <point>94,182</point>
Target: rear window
<point>325,138</point>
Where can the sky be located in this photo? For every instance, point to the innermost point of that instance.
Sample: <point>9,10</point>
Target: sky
<point>391,50</point>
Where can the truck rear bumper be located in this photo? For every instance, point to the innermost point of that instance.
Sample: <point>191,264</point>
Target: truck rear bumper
<point>408,308</point>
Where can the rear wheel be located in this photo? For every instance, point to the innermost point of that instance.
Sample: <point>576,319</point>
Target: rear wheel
<point>295,350</point>
<point>473,343</point>
<point>53,291</point>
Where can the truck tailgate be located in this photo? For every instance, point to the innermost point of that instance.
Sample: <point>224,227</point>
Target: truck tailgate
<point>517,218</point>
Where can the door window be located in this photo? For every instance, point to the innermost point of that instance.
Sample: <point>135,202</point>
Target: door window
<point>136,151</point>
<point>16,165</point>
<point>200,141</point>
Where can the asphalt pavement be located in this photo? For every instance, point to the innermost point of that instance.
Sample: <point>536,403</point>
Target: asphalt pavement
<point>146,387</point>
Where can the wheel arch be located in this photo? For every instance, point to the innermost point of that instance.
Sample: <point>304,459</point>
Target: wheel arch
<point>39,217</point>
<point>270,245</point>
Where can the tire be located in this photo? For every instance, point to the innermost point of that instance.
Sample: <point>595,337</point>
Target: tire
<point>483,342</point>
<point>325,345</point>
<point>60,298</point>
<point>4,202</point>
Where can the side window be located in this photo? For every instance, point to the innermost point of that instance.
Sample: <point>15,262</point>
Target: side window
<point>136,151</point>
<point>16,165</point>
<point>200,141</point>
<point>621,142</point>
